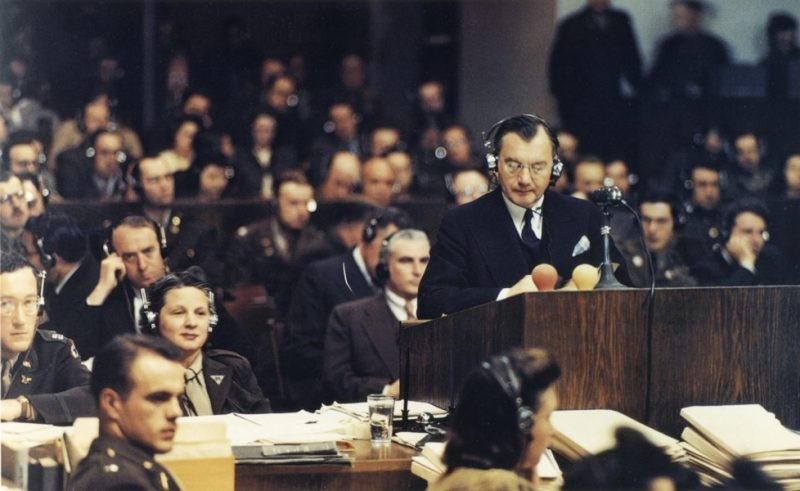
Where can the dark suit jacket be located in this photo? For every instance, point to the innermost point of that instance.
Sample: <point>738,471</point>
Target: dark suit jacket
<point>53,379</point>
<point>69,310</point>
<point>478,250</point>
<point>322,286</point>
<point>714,270</point>
<point>362,353</point>
<point>231,384</point>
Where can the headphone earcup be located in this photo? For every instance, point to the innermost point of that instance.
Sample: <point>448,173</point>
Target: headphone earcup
<point>558,169</point>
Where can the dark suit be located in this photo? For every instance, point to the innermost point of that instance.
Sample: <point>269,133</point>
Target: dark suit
<point>715,270</point>
<point>113,463</point>
<point>478,251</point>
<point>53,379</point>
<point>192,242</point>
<point>321,287</point>
<point>362,354</point>
<point>68,308</point>
<point>231,384</point>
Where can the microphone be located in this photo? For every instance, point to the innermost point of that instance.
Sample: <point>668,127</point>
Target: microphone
<point>606,196</point>
<point>545,277</point>
<point>585,276</point>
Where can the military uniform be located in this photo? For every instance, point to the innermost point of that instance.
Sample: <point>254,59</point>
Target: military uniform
<point>117,464</point>
<point>50,375</point>
<point>669,266</point>
<point>702,232</point>
<point>192,242</point>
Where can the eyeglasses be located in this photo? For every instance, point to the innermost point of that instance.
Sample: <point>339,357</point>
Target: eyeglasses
<point>538,168</point>
<point>6,198</point>
<point>30,306</point>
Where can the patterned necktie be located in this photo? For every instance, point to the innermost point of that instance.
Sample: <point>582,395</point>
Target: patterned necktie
<point>528,237</point>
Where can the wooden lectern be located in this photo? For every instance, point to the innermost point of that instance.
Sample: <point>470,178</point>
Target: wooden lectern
<point>704,346</point>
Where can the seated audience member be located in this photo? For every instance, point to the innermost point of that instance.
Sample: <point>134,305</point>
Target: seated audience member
<point>189,241</point>
<point>43,378</point>
<point>791,177</point>
<point>341,134</point>
<point>61,248</point>
<point>342,176</point>
<point>94,171</point>
<point>134,261</point>
<point>258,163</point>
<point>180,307</point>
<point>382,138</point>
<point>14,213</point>
<point>455,154</point>
<point>501,424</point>
<point>588,176</point>
<point>94,115</point>
<point>213,179</point>
<point>618,174</point>
<point>703,212</point>
<point>136,382</point>
<point>322,286</point>
<point>273,251</point>
<point>661,221</point>
<point>635,463</point>
<point>23,155</point>
<point>34,195</point>
<point>431,115</point>
<point>362,354</point>
<point>378,181</point>
<point>180,155</point>
<point>745,258</point>
<point>752,175</point>
<point>468,185</point>
<point>403,166</point>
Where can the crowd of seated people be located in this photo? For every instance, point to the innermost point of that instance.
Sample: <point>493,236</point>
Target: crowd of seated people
<point>707,219</point>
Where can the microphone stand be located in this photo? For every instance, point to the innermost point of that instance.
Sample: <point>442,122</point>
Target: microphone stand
<point>605,198</point>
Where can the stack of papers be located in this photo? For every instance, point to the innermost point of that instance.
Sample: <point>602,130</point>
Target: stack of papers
<point>581,433</point>
<point>719,434</point>
<point>360,410</point>
<point>311,453</point>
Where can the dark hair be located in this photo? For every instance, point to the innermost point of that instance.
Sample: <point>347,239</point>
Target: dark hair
<point>663,195</point>
<point>485,432</point>
<point>13,261</point>
<point>112,366</point>
<point>60,234</point>
<point>287,176</point>
<point>780,22</point>
<point>632,464</point>
<point>381,218</point>
<point>744,205</point>
<point>526,127</point>
<point>19,137</point>
<point>135,221</point>
<point>156,293</point>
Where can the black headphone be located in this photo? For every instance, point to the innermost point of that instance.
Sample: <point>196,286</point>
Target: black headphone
<point>499,367</point>
<point>90,152</point>
<point>108,243</point>
<point>47,259</point>
<point>492,156</point>
<point>383,217</point>
<point>151,317</point>
<point>382,268</point>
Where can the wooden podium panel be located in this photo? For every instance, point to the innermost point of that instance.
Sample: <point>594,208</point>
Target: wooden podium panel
<point>725,346</point>
<point>705,346</point>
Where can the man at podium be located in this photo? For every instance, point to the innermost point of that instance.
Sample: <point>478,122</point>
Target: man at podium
<point>486,249</point>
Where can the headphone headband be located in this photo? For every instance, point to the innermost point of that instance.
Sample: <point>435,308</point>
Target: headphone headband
<point>499,367</point>
<point>492,156</point>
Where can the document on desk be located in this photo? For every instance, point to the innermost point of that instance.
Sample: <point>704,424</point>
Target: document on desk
<point>311,453</point>
<point>360,410</point>
<point>279,428</point>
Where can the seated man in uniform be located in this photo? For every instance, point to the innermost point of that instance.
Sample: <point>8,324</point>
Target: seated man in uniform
<point>362,354</point>
<point>43,379</point>
<point>486,249</point>
<point>136,382</point>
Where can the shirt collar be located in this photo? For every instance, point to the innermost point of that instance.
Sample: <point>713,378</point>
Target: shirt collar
<point>397,304</point>
<point>66,277</point>
<point>362,265</point>
<point>518,214</point>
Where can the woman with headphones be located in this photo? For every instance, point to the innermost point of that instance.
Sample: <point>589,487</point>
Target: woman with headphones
<point>501,424</point>
<point>180,307</point>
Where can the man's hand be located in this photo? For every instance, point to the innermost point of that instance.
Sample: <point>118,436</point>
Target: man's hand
<point>112,271</point>
<point>394,389</point>
<point>525,284</point>
<point>10,409</point>
<point>740,250</point>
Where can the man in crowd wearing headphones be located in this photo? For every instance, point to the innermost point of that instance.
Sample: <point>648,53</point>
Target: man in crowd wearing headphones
<point>362,355</point>
<point>322,286</point>
<point>745,259</point>
<point>14,213</point>
<point>60,248</point>
<point>273,251</point>
<point>136,383</point>
<point>703,211</point>
<point>753,175</point>
<point>342,178</point>
<point>43,378</point>
<point>189,241</point>
<point>94,171</point>
<point>23,156</point>
<point>134,261</point>
<point>661,220</point>
<point>486,249</point>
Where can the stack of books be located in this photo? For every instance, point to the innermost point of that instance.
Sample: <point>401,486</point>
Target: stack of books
<point>581,433</point>
<point>719,434</point>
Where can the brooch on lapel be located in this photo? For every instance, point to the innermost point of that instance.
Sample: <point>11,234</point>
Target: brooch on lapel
<point>218,378</point>
<point>25,379</point>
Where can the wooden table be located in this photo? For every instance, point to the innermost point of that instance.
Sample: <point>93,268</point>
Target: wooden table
<point>375,468</point>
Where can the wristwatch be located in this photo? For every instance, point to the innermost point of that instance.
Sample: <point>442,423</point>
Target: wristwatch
<point>26,411</point>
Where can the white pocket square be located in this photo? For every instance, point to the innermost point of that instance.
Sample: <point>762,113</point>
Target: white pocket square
<point>582,246</point>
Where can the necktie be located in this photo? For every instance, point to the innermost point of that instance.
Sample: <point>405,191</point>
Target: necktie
<point>7,375</point>
<point>528,237</point>
<point>197,400</point>
<point>412,316</point>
